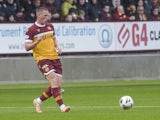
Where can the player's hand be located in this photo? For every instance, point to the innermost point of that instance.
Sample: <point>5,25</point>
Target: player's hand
<point>59,50</point>
<point>39,38</point>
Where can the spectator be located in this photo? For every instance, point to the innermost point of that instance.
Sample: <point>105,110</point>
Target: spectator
<point>140,3</point>
<point>120,14</point>
<point>73,13</point>
<point>23,4</point>
<point>106,15</point>
<point>82,5</point>
<point>59,3</point>
<point>75,2</point>
<point>2,17</point>
<point>66,5</point>
<point>31,7</point>
<point>94,11</point>
<point>107,2</point>
<point>154,14</point>
<point>68,18</point>
<point>51,5</point>
<point>126,3</point>
<point>2,12</point>
<point>13,11</point>
<point>155,3</point>
<point>141,16</point>
<point>131,12</point>
<point>147,6</point>
<point>81,16</point>
<point>116,3</point>
<point>11,18</point>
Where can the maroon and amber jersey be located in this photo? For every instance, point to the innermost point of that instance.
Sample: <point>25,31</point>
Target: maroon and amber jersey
<point>45,49</point>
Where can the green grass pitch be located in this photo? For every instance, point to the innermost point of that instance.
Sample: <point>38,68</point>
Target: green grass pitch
<point>88,101</point>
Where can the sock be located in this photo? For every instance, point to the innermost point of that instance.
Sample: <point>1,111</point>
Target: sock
<point>46,94</point>
<point>57,96</point>
<point>39,100</point>
<point>62,106</point>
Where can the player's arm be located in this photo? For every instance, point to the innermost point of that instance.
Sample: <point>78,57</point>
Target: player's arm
<point>31,45</point>
<point>57,47</point>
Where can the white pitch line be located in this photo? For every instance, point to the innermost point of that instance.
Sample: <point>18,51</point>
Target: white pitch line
<point>81,107</point>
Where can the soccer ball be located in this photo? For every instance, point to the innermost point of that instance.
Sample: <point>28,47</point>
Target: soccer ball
<point>126,102</point>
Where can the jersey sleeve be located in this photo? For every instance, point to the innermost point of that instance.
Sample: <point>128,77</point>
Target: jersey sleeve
<point>28,36</point>
<point>54,37</point>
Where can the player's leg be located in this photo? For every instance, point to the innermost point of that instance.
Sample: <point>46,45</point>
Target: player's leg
<point>47,94</point>
<point>47,67</point>
<point>59,78</point>
<point>38,101</point>
<point>60,83</point>
<point>55,82</point>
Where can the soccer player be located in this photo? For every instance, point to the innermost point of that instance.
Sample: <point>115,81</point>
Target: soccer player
<point>40,38</point>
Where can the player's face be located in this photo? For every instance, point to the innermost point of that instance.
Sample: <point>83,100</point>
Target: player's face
<point>43,16</point>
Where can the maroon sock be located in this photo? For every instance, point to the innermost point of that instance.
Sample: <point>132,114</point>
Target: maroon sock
<point>57,95</point>
<point>46,94</point>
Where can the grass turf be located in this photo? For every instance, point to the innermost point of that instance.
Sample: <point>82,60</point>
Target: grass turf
<point>89,101</point>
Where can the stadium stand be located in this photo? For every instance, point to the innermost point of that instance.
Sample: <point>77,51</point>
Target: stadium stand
<point>85,10</point>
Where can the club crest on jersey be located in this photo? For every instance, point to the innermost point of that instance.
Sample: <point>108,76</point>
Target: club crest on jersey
<point>49,28</point>
<point>45,67</point>
<point>38,30</point>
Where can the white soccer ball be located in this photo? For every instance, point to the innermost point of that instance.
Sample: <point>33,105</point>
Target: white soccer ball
<point>126,102</point>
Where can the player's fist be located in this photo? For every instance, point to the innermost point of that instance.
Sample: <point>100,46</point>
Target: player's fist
<point>58,50</point>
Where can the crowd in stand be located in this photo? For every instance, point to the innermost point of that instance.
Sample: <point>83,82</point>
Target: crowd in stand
<point>81,10</point>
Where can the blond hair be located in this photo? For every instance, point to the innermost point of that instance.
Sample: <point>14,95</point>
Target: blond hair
<point>40,9</point>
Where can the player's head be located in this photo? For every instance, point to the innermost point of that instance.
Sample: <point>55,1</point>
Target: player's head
<point>42,14</point>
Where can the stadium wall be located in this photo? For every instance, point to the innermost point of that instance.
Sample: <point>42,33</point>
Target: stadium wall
<point>85,68</point>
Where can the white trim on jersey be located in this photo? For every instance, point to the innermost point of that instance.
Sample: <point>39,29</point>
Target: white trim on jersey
<point>39,25</point>
<point>28,40</point>
<point>40,34</point>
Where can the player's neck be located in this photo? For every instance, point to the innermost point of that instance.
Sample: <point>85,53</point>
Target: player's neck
<point>39,24</point>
